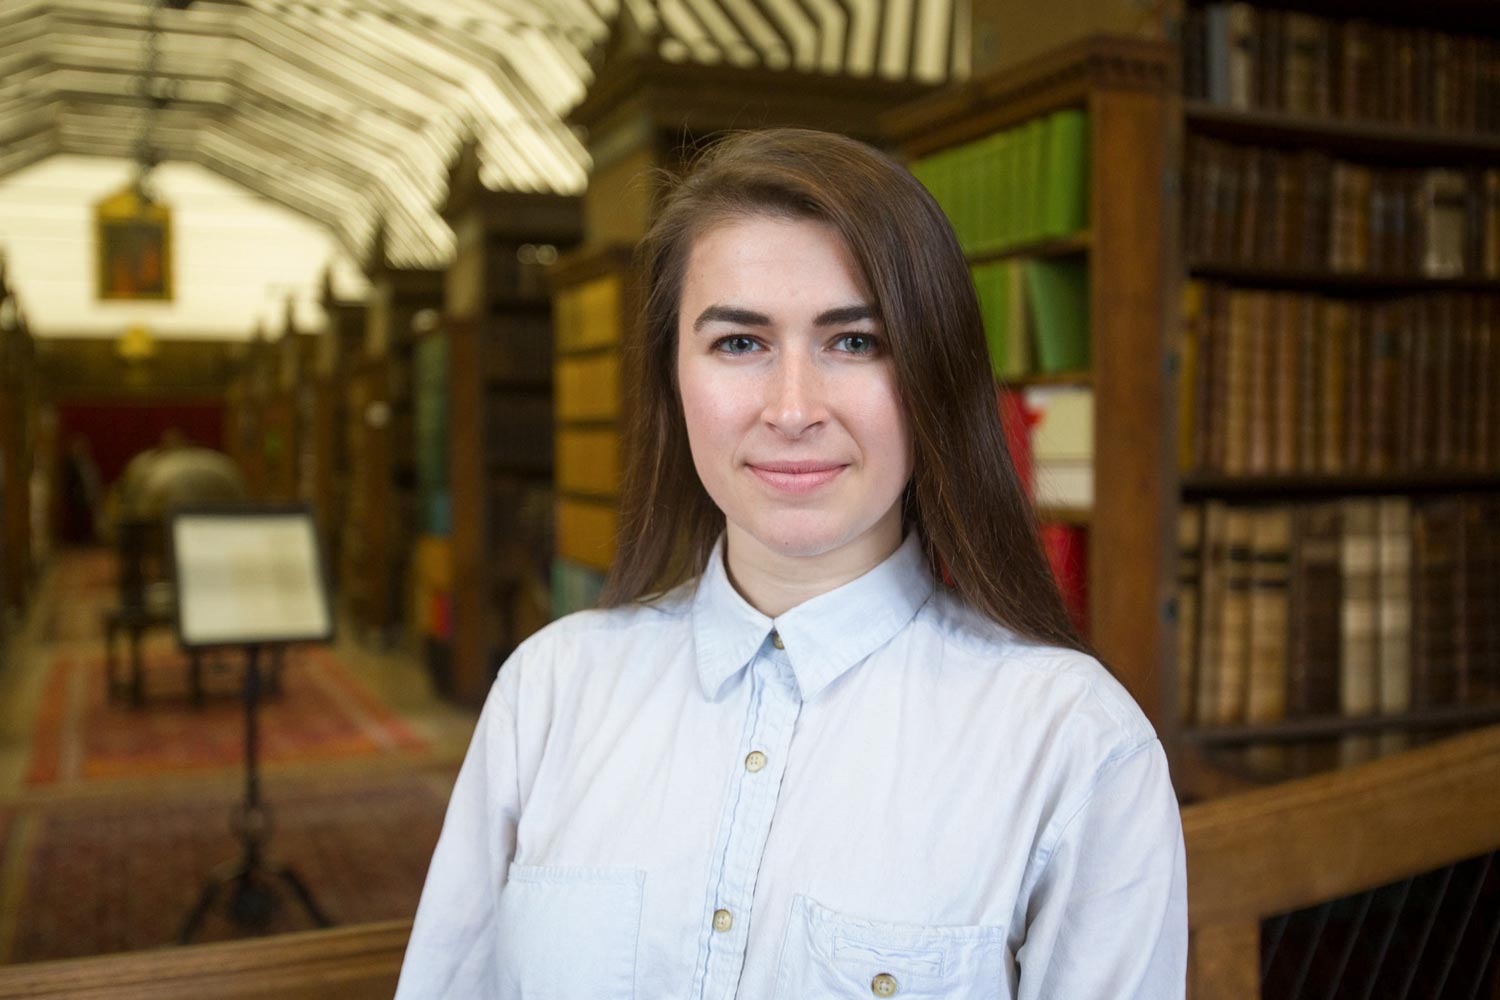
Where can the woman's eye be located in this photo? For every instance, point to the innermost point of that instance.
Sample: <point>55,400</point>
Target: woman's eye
<point>735,344</point>
<point>857,343</point>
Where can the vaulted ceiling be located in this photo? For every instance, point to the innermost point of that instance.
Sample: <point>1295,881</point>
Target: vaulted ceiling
<point>348,111</point>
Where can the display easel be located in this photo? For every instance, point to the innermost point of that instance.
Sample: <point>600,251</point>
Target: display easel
<point>250,578</point>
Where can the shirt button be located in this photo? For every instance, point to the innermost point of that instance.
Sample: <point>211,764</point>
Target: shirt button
<point>883,985</point>
<point>723,921</point>
<point>776,640</point>
<point>755,761</point>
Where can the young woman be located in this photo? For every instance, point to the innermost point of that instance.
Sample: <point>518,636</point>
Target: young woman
<point>832,734</point>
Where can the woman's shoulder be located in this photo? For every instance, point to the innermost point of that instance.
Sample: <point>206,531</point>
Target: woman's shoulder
<point>606,625</point>
<point>1058,686</point>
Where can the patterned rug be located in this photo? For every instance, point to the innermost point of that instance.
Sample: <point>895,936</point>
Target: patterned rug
<point>92,877</point>
<point>324,712</point>
<point>87,579</point>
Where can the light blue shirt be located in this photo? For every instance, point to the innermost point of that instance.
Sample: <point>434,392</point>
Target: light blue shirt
<point>661,802</point>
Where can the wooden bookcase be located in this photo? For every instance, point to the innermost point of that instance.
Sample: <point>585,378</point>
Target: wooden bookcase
<point>19,401</point>
<point>1126,89</point>
<point>247,412</point>
<point>377,558</point>
<point>492,558</point>
<point>339,348</point>
<point>1414,106</point>
<point>596,314</point>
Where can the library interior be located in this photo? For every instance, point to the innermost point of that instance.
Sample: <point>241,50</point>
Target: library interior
<point>351,290</point>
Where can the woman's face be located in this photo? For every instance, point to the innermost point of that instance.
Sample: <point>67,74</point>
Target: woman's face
<point>789,392</point>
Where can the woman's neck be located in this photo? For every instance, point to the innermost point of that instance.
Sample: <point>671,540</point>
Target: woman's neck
<point>774,583</point>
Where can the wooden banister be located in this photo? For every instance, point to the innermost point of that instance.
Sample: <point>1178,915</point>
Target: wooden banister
<point>345,963</point>
<point>1250,855</point>
<point>1273,850</point>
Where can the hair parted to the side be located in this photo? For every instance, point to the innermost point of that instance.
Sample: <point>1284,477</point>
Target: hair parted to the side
<point>965,497</point>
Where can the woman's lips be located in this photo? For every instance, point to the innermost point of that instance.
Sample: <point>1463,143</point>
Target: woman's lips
<point>796,477</point>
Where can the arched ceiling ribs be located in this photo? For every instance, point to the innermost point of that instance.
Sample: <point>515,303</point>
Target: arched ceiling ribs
<point>348,111</point>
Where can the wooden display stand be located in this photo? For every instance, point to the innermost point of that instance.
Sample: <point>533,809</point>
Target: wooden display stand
<point>1126,88</point>
<point>497,321</point>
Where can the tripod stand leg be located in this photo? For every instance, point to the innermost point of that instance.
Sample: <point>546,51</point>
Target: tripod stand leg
<point>200,910</point>
<point>299,887</point>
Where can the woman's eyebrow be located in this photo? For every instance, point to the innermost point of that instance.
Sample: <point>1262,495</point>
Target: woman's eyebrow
<point>748,317</point>
<point>846,314</point>
<point>730,314</point>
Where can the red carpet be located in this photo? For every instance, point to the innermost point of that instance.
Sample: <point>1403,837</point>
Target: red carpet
<point>122,875</point>
<point>323,713</point>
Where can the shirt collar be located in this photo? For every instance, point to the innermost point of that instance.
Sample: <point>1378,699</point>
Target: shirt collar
<point>824,636</point>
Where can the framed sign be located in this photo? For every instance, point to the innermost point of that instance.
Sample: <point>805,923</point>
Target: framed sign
<point>248,576</point>
<point>133,247</point>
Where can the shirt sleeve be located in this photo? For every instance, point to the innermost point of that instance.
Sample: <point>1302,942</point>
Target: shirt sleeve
<point>451,952</point>
<point>1107,918</point>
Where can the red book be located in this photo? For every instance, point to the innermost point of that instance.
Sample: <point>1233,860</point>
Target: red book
<point>1017,420</point>
<point>1067,550</point>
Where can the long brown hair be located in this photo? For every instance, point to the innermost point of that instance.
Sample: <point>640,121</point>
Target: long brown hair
<point>965,498</point>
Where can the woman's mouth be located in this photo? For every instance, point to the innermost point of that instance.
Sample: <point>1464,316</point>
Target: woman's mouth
<point>797,477</point>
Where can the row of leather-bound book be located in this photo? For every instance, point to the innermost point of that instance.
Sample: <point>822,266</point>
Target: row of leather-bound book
<point>1307,211</point>
<point>1355,606</point>
<point>1248,57</point>
<point>1286,383</point>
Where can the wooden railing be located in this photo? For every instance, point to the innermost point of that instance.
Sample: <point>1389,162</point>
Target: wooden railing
<point>1250,856</point>
<point>346,963</point>
<point>1257,854</point>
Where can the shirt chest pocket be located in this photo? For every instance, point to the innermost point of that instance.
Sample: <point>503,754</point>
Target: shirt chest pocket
<point>830,956</point>
<point>569,933</point>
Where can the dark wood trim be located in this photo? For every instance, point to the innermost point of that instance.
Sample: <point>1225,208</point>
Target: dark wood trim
<point>1302,842</point>
<point>1048,378</point>
<point>1334,282</point>
<point>1279,488</point>
<point>344,963</point>
<point>1355,137</point>
<point>1056,246</point>
<point>1294,730</point>
<point>590,262</point>
<point>1050,82</point>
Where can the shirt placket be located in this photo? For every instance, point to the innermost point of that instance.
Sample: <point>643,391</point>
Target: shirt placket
<point>746,824</point>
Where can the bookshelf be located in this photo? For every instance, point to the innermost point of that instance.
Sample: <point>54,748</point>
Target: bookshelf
<point>498,328</point>
<point>1341,257</point>
<point>382,502</point>
<point>595,316</point>
<point>1120,92</point>
<point>19,401</point>
<point>338,349</point>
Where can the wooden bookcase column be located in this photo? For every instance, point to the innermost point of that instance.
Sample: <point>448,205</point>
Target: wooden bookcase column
<point>1127,87</point>
<point>497,320</point>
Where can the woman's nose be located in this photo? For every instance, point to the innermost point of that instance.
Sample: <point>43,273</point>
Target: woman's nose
<point>794,396</point>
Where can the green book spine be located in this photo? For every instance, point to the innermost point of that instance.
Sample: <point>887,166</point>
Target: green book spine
<point>991,193</point>
<point>1059,292</point>
<point>940,176</point>
<point>1034,169</point>
<point>1066,184</point>
<point>963,197</point>
<point>990,311</point>
<point>1018,324</point>
<point>922,171</point>
<point>1010,205</point>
